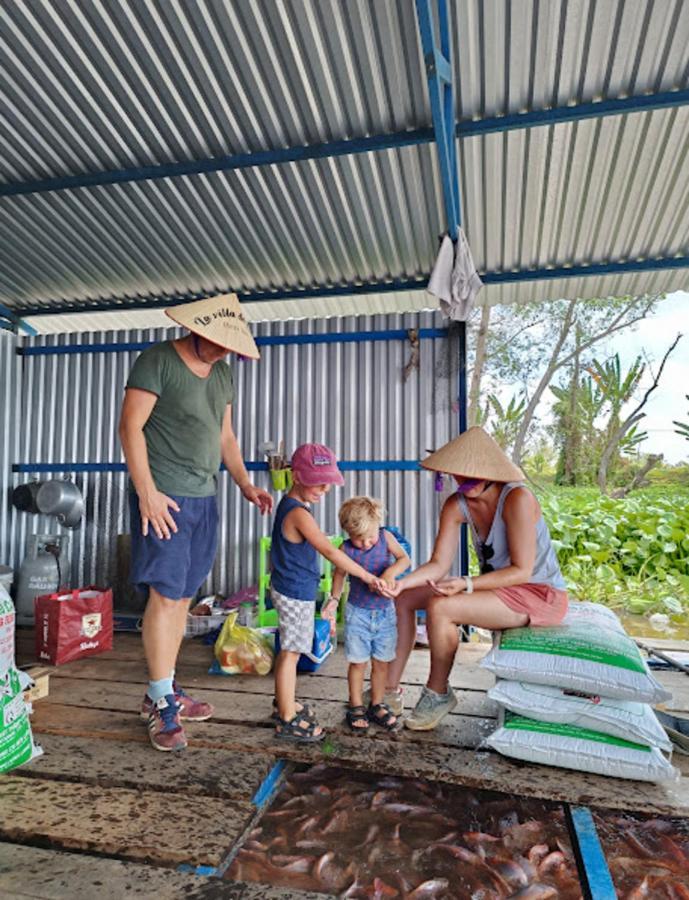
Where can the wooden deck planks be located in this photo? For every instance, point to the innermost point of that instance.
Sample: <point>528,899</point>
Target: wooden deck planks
<point>32,872</point>
<point>101,789</point>
<point>130,824</point>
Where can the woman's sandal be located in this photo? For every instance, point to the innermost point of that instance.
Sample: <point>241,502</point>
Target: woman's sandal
<point>381,715</point>
<point>306,712</point>
<point>299,730</point>
<point>357,714</point>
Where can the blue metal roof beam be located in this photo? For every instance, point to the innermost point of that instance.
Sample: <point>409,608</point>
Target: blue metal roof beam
<point>346,290</point>
<point>532,119</point>
<point>439,70</point>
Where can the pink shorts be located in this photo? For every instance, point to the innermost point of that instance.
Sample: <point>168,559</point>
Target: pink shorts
<point>543,604</point>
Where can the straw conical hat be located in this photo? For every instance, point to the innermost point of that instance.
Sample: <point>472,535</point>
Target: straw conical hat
<point>220,320</point>
<point>474,454</point>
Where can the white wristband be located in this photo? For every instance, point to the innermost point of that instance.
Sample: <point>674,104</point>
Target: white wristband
<point>469,589</point>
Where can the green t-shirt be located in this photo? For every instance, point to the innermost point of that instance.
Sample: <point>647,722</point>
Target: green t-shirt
<point>183,431</point>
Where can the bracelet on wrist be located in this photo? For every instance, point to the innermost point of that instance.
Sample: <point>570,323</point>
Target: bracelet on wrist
<point>469,584</point>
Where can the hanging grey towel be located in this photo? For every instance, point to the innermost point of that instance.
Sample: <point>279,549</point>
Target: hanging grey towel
<point>454,279</point>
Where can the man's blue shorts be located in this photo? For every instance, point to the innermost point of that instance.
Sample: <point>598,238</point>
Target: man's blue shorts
<point>176,568</point>
<point>370,633</point>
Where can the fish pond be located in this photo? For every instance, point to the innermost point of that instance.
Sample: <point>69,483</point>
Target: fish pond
<point>356,834</point>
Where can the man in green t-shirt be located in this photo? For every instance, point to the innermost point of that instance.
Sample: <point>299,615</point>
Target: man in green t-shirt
<point>175,429</point>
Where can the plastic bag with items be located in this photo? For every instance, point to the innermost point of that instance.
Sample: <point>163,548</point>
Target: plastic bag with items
<point>242,651</point>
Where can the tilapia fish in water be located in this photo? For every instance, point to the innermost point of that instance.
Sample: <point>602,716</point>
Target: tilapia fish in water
<point>648,857</point>
<point>355,834</point>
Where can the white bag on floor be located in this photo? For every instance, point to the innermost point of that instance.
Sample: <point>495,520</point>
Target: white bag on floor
<point>625,719</point>
<point>580,749</point>
<point>16,742</point>
<point>588,652</point>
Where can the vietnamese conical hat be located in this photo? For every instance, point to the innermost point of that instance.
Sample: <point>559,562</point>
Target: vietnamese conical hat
<point>220,320</point>
<point>474,454</point>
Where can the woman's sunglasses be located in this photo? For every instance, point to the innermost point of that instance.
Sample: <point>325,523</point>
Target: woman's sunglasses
<point>487,553</point>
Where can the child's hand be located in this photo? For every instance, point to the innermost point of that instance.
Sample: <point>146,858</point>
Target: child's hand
<point>329,612</point>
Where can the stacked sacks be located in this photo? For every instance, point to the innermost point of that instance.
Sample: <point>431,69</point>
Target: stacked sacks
<point>16,742</point>
<point>577,696</point>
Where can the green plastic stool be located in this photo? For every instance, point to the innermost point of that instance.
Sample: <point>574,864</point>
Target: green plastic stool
<point>268,618</point>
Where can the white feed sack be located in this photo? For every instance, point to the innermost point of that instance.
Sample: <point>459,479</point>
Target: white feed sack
<point>588,652</point>
<point>580,749</point>
<point>16,742</point>
<point>625,719</point>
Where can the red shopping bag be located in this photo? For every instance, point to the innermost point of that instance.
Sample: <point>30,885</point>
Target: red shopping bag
<point>73,624</point>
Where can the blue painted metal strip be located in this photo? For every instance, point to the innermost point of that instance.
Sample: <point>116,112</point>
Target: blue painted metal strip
<point>347,465</point>
<point>580,271</point>
<point>267,787</point>
<point>15,322</point>
<point>163,301</point>
<point>559,114</point>
<point>575,271</point>
<point>596,870</point>
<point>223,163</point>
<point>493,124</point>
<point>438,60</point>
<point>337,337</point>
<point>207,871</point>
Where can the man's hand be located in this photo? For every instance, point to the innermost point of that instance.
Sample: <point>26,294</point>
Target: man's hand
<point>155,511</point>
<point>446,587</point>
<point>258,497</point>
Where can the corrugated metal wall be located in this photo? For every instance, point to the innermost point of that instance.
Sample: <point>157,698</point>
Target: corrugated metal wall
<point>351,396</point>
<point>10,431</point>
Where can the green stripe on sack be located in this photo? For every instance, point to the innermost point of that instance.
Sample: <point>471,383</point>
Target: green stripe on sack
<point>521,723</point>
<point>618,650</point>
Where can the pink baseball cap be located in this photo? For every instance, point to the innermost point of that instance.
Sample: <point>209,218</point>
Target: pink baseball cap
<point>316,464</point>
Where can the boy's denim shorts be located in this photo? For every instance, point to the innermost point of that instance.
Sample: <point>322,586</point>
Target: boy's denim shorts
<point>176,568</point>
<point>370,633</point>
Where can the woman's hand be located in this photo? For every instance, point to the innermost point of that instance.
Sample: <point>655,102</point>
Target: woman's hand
<point>155,511</point>
<point>446,587</point>
<point>386,588</point>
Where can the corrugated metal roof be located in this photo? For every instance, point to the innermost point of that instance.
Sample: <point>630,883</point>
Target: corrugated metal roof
<point>278,310</point>
<point>108,85</point>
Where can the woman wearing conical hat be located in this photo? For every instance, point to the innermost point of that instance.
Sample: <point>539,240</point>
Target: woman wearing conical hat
<point>520,581</point>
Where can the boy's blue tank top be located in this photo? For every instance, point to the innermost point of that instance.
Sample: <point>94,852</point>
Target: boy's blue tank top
<point>296,572</point>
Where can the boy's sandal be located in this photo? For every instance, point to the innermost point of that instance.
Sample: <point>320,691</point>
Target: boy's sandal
<point>381,715</point>
<point>357,719</point>
<point>299,730</point>
<point>306,712</point>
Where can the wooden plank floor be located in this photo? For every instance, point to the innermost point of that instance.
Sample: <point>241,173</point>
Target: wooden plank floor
<point>101,807</point>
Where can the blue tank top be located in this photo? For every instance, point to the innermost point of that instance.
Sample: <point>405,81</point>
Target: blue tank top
<point>375,560</point>
<point>546,568</point>
<point>296,571</point>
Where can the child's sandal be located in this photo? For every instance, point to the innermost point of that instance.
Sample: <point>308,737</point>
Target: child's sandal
<point>381,715</point>
<point>357,714</point>
<point>299,730</point>
<point>306,711</point>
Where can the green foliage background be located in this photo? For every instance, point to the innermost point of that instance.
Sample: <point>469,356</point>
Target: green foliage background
<point>631,554</point>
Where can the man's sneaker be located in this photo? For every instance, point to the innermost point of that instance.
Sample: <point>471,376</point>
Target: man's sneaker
<point>430,709</point>
<point>393,699</point>
<point>164,727</point>
<point>190,710</point>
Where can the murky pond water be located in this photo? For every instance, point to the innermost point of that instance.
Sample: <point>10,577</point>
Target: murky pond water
<point>356,834</point>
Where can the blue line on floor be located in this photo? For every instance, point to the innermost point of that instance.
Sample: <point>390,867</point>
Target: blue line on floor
<point>268,785</point>
<point>197,870</point>
<point>592,857</point>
